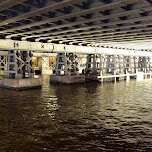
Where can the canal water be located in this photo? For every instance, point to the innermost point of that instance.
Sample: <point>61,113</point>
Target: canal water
<point>85,117</point>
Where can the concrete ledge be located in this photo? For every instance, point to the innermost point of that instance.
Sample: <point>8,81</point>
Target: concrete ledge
<point>20,83</point>
<point>67,79</point>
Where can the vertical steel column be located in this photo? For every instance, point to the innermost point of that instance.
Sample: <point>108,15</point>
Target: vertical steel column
<point>121,64</point>
<point>3,64</point>
<point>111,64</point>
<point>148,64</point>
<point>132,64</point>
<point>91,65</point>
<point>103,63</point>
<point>142,64</point>
<point>129,64</point>
<point>102,67</point>
<point>116,64</point>
<point>136,59</point>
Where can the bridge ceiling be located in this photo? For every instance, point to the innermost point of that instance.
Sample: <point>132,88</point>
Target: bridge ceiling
<point>109,23</point>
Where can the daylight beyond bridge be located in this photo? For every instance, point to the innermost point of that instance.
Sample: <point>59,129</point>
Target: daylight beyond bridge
<point>107,23</point>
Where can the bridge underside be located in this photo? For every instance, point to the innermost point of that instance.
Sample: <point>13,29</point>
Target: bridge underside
<point>115,35</point>
<point>108,23</point>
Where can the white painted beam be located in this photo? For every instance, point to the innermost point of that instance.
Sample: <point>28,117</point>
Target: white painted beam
<point>59,48</point>
<point>35,54</point>
<point>3,53</point>
<point>25,46</point>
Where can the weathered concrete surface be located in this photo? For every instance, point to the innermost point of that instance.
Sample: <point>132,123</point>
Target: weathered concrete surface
<point>20,83</point>
<point>67,79</point>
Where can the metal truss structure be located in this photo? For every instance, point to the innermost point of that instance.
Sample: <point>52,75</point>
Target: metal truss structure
<point>109,23</point>
<point>67,64</point>
<point>20,64</point>
<point>3,63</point>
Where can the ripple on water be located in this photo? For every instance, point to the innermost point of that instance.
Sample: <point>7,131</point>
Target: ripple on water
<point>85,117</point>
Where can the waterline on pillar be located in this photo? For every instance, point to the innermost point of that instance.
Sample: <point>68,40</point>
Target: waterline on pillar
<point>20,71</point>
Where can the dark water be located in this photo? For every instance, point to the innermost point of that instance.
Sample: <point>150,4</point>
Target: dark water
<point>86,117</point>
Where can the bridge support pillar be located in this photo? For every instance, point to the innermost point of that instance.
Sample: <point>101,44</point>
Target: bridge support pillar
<point>3,65</point>
<point>92,67</point>
<point>148,66</point>
<point>136,59</point>
<point>129,64</point>
<point>20,73</point>
<point>145,65</point>
<point>142,68</point>
<point>112,66</point>
<point>121,65</point>
<point>67,69</point>
<point>142,64</point>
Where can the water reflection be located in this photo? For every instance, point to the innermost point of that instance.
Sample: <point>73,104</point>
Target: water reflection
<point>85,117</point>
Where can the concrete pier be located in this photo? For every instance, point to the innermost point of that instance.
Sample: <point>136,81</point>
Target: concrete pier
<point>18,84</point>
<point>20,72</point>
<point>100,68</point>
<point>67,69</point>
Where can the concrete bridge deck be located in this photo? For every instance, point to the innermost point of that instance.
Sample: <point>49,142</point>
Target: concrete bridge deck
<point>124,24</point>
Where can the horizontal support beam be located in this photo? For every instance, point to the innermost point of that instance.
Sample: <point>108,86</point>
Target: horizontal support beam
<point>8,3</point>
<point>43,10</point>
<point>35,54</point>
<point>3,53</point>
<point>59,48</point>
<point>132,20</point>
<point>76,14</point>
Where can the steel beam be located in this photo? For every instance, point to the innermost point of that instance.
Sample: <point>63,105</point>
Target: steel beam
<point>59,48</point>
<point>77,14</point>
<point>117,15</point>
<point>9,3</point>
<point>88,21</point>
<point>46,9</point>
